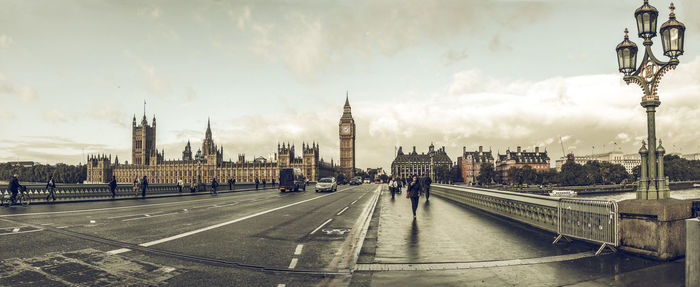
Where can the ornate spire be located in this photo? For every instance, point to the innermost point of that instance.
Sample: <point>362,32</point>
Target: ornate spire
<point>208,133</point>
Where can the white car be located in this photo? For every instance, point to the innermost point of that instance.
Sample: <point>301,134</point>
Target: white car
<point>326,184</point>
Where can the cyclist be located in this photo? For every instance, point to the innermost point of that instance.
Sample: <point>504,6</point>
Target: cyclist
<point>14,187</point>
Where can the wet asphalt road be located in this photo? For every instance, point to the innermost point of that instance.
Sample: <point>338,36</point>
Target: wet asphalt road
<point>303,231</point>
<point>265,238</point>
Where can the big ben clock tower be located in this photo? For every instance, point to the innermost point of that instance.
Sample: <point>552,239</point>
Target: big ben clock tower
<point>346,130</point>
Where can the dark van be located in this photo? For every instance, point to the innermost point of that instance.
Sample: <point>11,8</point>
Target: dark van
<point>291,179</point>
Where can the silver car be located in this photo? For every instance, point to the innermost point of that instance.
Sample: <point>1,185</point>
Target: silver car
<point>326,184</point>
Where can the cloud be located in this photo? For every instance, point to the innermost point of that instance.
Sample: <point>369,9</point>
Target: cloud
<point>55,116</point>
<point>190,94</point>
<point>110,110</point>
<point>454,56</point>
<point>308,42</point>
<point>51,150</point>
<point>23,92</point>
<point>152,12</point>
<point>6,41</point>
<point>155,83</point>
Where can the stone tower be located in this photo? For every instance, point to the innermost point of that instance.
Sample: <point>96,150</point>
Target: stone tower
<point>187,153</point>
<point>143,143</point>
<point>346,131</point>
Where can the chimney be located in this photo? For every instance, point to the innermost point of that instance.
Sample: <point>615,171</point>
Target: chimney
<point>537,150</point>
<point>414,149</point>
<point>518,149</point>
<point>464,150</point>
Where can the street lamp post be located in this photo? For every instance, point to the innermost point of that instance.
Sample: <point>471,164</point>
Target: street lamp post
<point>652,183</point>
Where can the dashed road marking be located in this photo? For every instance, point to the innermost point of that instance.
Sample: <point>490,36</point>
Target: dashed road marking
<point>149,216</point>
<point>15,230</point>
<point>354,202</point>
<point>181,235</point>
<point>281,285</point>
<point>341,212</point>
<point>298,250</point>
<point>321,226</point>
<point>293,263</point>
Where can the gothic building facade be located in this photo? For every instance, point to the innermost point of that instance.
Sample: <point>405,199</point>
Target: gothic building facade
<point>205,165</point>
<point>346,132</point>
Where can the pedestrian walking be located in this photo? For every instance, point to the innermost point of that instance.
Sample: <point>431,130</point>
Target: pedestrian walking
<point>214,184</point>
<point>144,186</point>
<point>13,186</point>
<point>393,185</point>
<point>257,182</point>
<point>426,185</point>
<point>413,192</point>
<point>230,184</point>
<point>233,185</point>
<point>180,185</point>
<point>51,186</point>
<point>135,186</point>
<point>264,183</point>
<point>113,186</point>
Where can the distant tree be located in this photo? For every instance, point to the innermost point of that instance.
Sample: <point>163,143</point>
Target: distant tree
<point>593,173</point>
<point>372,174</point>
<point>636,172</point>
<point>573,173</point>
<point>515,175</point>
<point>362,174</point>
<point>383,177</point>
<point>549,176</point>
<point>528,174</point>
<point>486,174</point>
<point>442,174</point>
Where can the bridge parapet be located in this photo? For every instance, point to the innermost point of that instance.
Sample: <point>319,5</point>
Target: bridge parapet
<point>590,220</point>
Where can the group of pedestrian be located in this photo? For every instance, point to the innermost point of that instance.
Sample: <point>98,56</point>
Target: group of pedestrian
<point>415,188</point>
<point>140,185</point>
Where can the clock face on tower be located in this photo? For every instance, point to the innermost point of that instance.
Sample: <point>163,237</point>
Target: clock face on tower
<point>345,129</point>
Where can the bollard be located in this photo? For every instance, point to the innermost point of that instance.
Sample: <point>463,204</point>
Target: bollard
<point>692,252</point>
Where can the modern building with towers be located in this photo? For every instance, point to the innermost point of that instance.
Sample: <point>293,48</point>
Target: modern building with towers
<point>346,131</point>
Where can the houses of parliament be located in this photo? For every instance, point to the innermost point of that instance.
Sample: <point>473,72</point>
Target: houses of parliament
<point>207,163</point>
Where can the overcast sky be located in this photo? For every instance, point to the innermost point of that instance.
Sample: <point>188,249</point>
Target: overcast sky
<point>457,73</point>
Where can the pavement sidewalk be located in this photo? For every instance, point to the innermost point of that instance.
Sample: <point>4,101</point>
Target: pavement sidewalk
<point>479,249</point>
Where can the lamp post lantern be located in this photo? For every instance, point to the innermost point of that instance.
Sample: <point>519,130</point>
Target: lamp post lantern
<point>652,183</point>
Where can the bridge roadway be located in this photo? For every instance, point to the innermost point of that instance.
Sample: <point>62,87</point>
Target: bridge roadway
<point>265,238</point>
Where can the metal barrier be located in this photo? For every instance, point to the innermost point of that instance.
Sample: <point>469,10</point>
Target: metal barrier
<point>73,192</point>
<point>592,220</point>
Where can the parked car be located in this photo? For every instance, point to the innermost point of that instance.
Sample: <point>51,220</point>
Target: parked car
<point>326,184</point>
<point>291,179</point>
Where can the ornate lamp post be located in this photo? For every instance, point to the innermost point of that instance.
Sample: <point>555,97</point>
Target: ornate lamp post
<point>652,183</point>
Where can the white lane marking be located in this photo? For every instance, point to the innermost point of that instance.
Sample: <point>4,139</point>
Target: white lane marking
<point>20,232</point>
<point>298,250</point>
<point>178,236</point>
<point>149,216</point>
<point>354,201</point>
<point>15,229</point>
<point>321,226</point>
<point>92,221</point>
<point>122,216</point>
<point>293,263</point>
<point>344,209</point>
<point>117,251</point>
<point>281,285</point>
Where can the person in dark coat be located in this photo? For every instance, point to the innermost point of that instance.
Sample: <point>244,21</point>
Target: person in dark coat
<point>214,184</point>
<point>264,182</point>
<point>113,186</point>
<point>257,182</point>
<point>233,183</point>
<point>144,185</point>
<point>426,185</point>
<point>13,186</point>
<point>413,192</point>
<point>51,186</point>
<point>230,184</point>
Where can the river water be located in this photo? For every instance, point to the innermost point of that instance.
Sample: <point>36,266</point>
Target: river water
<point>692,193</point>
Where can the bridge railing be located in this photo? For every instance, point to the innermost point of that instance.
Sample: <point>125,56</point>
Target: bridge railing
<point>71,192</point>
<point>591,220</point>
